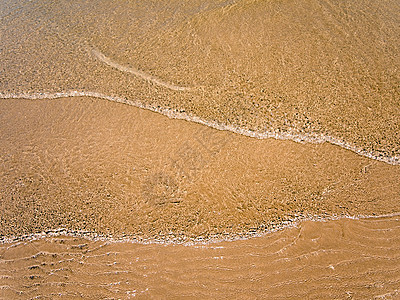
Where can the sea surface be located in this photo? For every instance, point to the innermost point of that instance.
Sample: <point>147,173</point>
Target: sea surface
<point>209,149</point>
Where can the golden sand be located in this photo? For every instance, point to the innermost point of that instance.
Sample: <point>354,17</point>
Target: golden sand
<point>343,259</point>
<point>246,81</point>
<point>94,165</point>
<point>309,69</point>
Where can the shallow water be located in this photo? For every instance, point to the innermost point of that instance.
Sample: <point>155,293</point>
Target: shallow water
<point>317,70</point>
<point>95,165</point>
<point>75,159</point>
<point>343,259</point>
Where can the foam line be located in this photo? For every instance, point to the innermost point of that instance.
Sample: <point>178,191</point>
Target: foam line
<point>177,239</point>
<point>108,61</point>
<point>174,114</point>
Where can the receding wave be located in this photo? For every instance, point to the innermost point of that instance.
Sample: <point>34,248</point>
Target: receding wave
<point>304,138</point>
<point>322,260</point>
<point>136,72</point>
<point>94,236</point>
<point>282,184</point>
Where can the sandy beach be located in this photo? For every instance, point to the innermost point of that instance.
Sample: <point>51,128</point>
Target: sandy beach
<point>343,259</point>
<point>94,165</point>
<point>206,149</point>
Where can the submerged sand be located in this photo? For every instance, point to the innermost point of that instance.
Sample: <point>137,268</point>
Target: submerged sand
<point>323,73</point>
<point>343,259</point>
<point>93,165</point>
<point>309,69</point>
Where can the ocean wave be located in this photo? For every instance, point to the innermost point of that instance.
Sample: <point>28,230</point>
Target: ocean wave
<point>174,114</point>
<point>188,241</point>
<point>108,61</point>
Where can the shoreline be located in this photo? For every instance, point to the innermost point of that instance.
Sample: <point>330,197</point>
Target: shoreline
<point>257,153</point>
<point>173,114</point>
<point>185,241</point>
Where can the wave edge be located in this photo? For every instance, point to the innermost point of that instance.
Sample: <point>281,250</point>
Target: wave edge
<point>174,114</point>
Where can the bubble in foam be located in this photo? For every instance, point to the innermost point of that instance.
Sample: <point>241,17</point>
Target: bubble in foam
<point>174,114</point>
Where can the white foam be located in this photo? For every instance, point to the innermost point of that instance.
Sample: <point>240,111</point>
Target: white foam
<point>187,241</point>
<point>108,61</point>
<point>174,114</point>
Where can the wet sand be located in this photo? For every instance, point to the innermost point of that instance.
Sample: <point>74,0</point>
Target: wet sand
<point>310,70</point>
<point>344,259</point>
<point>94,165</point>
<point>83,173</point>
<point>227,120</point>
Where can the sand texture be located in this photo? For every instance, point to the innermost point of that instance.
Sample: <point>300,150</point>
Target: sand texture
<point>170,149</point>
<point>94,165</point>
<point>344,259</point>
<point>310,69</point>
